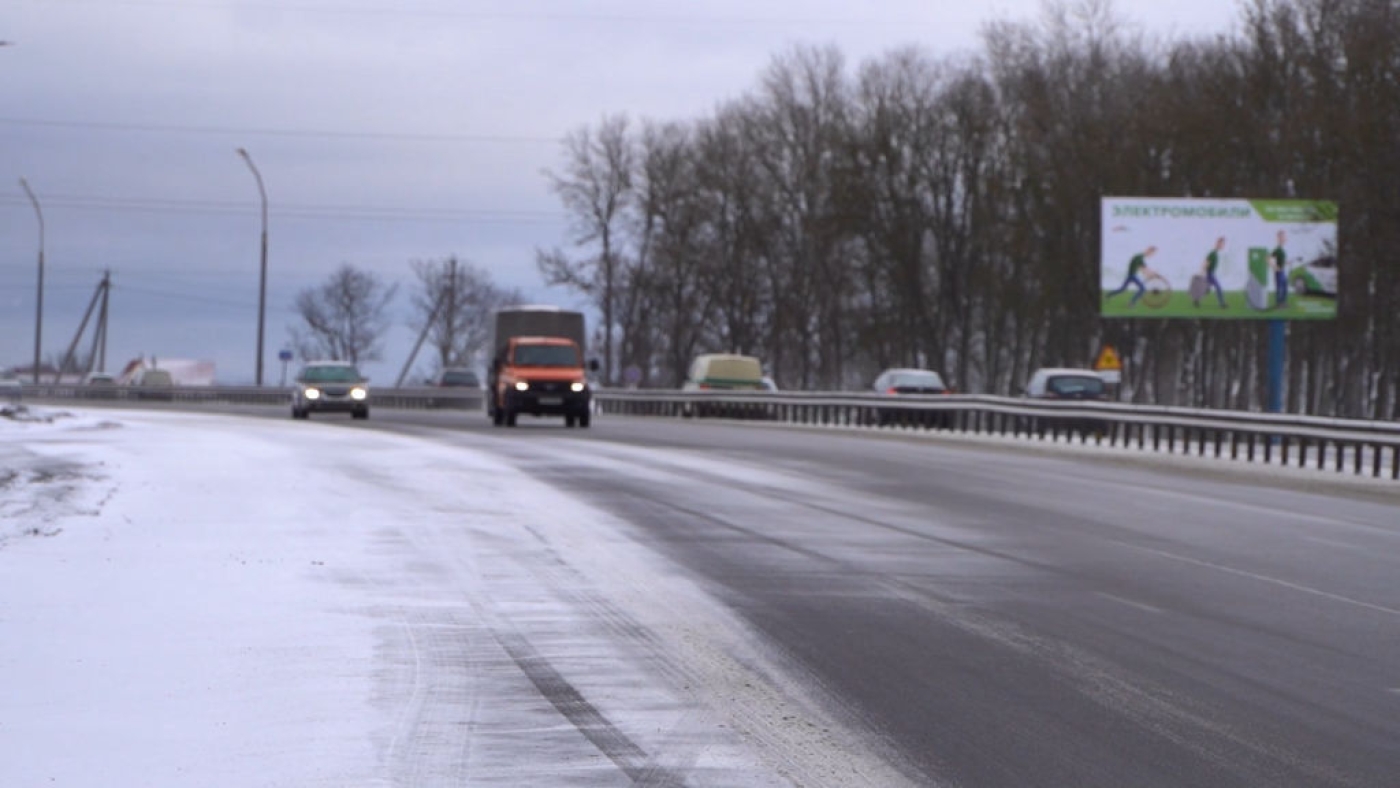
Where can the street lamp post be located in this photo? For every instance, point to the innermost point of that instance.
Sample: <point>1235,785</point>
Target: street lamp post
<point>262,276</point>
<point>39,308</point>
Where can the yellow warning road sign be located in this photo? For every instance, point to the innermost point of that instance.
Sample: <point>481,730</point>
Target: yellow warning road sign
<point>1108,360</point>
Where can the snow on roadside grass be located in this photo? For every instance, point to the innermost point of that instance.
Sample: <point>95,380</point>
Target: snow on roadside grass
<point>253,602</point>
<point>43,482</point>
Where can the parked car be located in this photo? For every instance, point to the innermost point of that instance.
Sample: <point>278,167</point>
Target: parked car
<point>1062,383</point>
<point>723,372</point>
<point>1316,278</point>
<point>99,385</point>
<point>330,387</point>
<point>903,382</point>
<point>152,383</point>
<point>456,377</point>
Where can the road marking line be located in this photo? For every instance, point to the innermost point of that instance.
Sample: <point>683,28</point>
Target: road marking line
<point>1334,543</point>
<point>1266,579</point>
<point>1129,602</point>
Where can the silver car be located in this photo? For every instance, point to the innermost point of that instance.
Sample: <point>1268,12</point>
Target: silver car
<point>330,387</point>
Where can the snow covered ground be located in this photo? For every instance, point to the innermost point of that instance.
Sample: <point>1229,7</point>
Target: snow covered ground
<point>200,600</point>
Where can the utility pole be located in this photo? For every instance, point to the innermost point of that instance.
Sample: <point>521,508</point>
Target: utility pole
<point>39,305</point>
<point>262,276</point>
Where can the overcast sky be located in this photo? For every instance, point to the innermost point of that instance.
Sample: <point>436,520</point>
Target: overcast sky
<point>385,130</point>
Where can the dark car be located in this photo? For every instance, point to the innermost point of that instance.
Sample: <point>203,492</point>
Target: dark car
<point>457,377</point>
<point>466,385</point>
<point>330,387</point>
<point>1065,383</point>
<point>1057,383</point>
<point>903,382</point>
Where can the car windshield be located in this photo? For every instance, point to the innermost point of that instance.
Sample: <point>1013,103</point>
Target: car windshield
<point>1069,385</point>
<point>546,356</point>
<point>922,380</point>
<point>458,379</point>
<point>330,374</point>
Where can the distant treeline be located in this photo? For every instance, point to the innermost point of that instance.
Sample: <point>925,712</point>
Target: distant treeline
<point>946,212</point>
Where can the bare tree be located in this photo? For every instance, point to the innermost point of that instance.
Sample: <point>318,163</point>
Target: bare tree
<point>344,318</point>
<point>455,300</point>
<point>596,189</point>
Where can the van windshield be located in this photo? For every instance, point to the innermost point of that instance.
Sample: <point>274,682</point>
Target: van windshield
<point>545,356</point>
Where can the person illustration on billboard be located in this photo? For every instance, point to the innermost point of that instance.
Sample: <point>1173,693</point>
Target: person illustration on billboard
<point>1208,269</point>
<point>1277,260</point>
<point>1137,269</point>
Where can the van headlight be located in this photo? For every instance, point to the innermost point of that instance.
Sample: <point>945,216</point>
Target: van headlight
<point>521,385</point>
<point>358,394</point>
<point>577,386</point>
<point>312,393</point>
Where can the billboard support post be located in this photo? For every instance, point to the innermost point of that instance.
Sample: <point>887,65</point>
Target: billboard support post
<point>1278,350</point>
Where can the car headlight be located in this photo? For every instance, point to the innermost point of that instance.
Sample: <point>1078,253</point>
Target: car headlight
<point>358,393</point>
<point>578,385</point>
<point>312,393</point>
<point>521,385</point>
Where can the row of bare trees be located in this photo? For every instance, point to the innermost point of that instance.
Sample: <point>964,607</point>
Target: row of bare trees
<point>346,316</point>
<point>938,212</point>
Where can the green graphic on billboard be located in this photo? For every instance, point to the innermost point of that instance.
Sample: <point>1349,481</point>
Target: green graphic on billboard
<point>1233,259</point>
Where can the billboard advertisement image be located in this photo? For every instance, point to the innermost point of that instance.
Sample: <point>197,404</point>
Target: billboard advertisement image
<point>1237,259</point>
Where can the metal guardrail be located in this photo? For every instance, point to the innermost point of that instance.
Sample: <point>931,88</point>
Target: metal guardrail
<point>423,398</point>
<point>1363,447</point>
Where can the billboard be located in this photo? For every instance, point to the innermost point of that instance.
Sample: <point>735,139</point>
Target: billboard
<point>1238,259</point>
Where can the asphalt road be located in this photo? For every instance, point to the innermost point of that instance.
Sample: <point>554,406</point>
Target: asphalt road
<point>999,617</point>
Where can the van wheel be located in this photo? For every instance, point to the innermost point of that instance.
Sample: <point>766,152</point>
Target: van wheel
<point>583,420</point>
<point>497,417</point>
<point>570,421</point>
<point>298,413</point>
<point>510,418</point>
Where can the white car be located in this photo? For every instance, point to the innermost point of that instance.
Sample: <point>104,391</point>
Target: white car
<point>1316,278</point>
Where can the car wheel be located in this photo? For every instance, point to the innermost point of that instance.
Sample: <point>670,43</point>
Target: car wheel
<point>361,414</point>
<point>510,418</point>
<point>498,417</point>
<point>298,413</point>
<point>570,421</point>
<point>584,419</point>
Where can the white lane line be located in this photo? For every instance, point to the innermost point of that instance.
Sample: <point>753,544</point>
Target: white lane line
<point>1334,543</point>
<point>1130,602</point>
<point>1266,579</point>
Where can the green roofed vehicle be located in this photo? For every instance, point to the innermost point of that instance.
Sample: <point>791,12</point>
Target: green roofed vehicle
<point>721,372</point>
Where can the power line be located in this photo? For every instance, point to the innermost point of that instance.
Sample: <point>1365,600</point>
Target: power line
<point>251,131</point>
<point>298,211</point>
<point>398,10</point>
